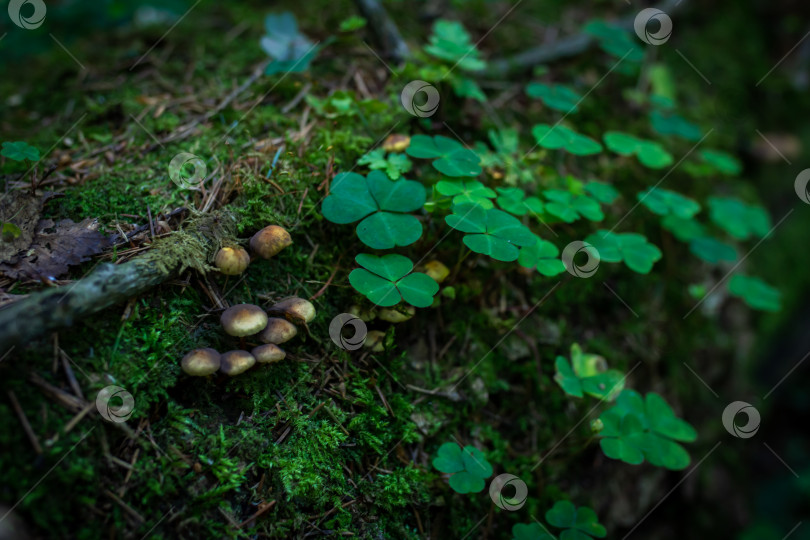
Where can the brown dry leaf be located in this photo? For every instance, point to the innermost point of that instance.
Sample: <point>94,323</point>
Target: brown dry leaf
<point>21,209</point>
<point>57,246</point>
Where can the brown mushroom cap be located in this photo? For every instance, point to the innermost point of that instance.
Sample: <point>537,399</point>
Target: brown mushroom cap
<point>236,362</point>
<point>295,309</point>
<point>201,362</point>
<point>243,320</point>
<point>437,270</point>
<point>268,354</point>
<point>277,331</point>
<point>269,241</point>
<point>374,341</point>
<point>396,315</point>
<point>232,261</point>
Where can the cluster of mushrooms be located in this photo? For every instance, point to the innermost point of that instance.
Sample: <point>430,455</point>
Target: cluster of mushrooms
<point>247,320</point>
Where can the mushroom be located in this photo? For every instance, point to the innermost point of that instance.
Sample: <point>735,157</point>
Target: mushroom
<point>437,270</point>
<point>268,354</point>
<point>365,315</point>
<point>374,341</point>
<point>395,315</point>
<point>236,362</point>
<point>269,241</point>
<point>232,261</point>
<point>243,320</point>
<point>277,331</point>
<point>201,362</point>
<point>295,309</point>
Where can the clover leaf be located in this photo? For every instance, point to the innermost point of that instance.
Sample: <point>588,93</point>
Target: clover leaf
<point>722,162</point>
<point>467,88</point>
<point>755,292</point>
<point>451,42</point>
<point>636,429</point>
<point>451,157</point>
<point>491,232</point>
<point>555,96</point>
<point>290,50</point>
<point>394,165</point>
<point>579,523</point>
<point>615,40</point>
<point>712,250</point>
<point>569,207</point>
<point>468,467</point>
<point>665,202</point>
<point>560,137</point>
<point>542,255</point>
<point>19,151</point>
<point>514,201</point>
<point>649,153</point>
<point>529,531</point>
<point>684,230</point>
<point>602,192</point>
<point>467,191</point>
<point>587,374</point>
<point>738,219</point>
<point>638,254</point>
<point>353,198</point>
<point>667,123</point>
<point>388,279</point>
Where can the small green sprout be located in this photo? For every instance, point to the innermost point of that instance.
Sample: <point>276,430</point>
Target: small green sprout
<point>637,253</point>
<point>450,157</point>
<point>452,43</point>
<point>491,232</point>
<point>579,523</point>
<point>560,137</point>
<point>468,467</point>
<point>587,374</point>
<point>389,279</point>
<point>394,165</point>
<point>649,153</point>
<point>555,96</point>
<point>755,292</point>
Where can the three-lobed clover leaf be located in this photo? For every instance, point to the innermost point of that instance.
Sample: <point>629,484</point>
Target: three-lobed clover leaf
<point>560,137</point>
<point>684,230</point>
<point>587,374</point>
<point>451,42</point>
<point>468,467</point>
<point>569,207</point>
<point>529,531</point>
<point>665,202</point>
<point>649,153</point>
<point>712,250</point>
<point>722,162</point>
<point>668,123</point>
<point>514,201</point>
<point>637,253</point>
<point>450,157</point>
<point>740,220</point>
<point>755,292</point>
<point>19,151</point>
<point>394,164</point>
<point>353,197</point>
<point>580,523</point>
<point>290,50</point>
<point>602,192</point>
<point>555,96</point>
<point>491,232</point>
<point>636,429</point>
<point>542,255</point>
<point>467,191</point>
<point>388,279</point>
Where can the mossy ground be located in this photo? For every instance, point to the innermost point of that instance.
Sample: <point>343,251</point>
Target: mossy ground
<point>325,442</point>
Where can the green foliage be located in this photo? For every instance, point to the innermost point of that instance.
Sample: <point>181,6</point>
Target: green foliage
<point>636,429</point>
<point>560,137</point>
<point>602,192</point>
<point>450,157</point>
<point>588,374</point>
<point>394,165</point>
<point>555,96</point>
<point>755,292</point>
<point>529,531</point>
<point>352,23</point>
<point>388,279</point>
<point>649,153</point>
<point>722,162</point>
<point>665,203</point>
<point>740,220</point>
<point>491,232</point>
<point>353,198</point>
<point>712,250</point>
<point>291,51</point>
<point>569,207</point>
<point>683,229</point>
<point>19,151</point>
<point>451,42</point>
<point>579,523</point>
<point>543,256</point>
<point>615,40</point>
<point>637,253</point>
<point>467,191</point>
<point>514,201</point>
<point>468,467</point>
<point>669,123</point>
<point>506,156</point>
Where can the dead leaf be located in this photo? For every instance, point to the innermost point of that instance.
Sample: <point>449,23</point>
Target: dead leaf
<point>22,210</point>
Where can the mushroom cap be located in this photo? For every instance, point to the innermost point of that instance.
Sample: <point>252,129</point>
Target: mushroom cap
<point>374,341</point>
<point>269,241</point>
<point>396,315</point>
<point>201,362</point>
<point>243,320</point>
<point>295,309</point>
<point>268,354</point>
<point>236,362</point>
<point>437,270</point>
<point>277,331</point>
<point>232,261</point>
